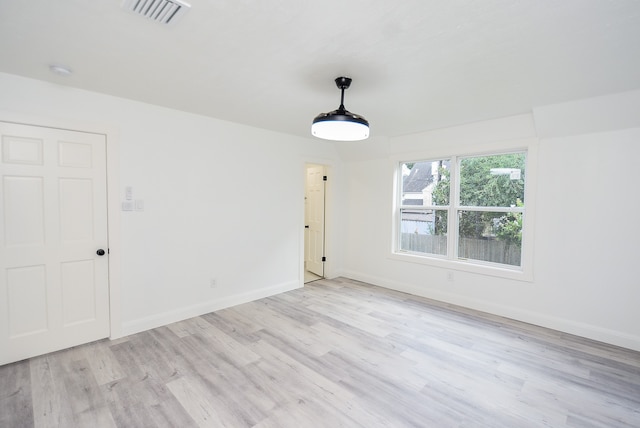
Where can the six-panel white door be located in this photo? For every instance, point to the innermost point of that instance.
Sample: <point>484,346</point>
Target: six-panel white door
<point>54,289</point>
<point>314,250</point>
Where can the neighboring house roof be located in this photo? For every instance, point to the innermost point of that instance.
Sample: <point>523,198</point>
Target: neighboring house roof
<point>419,178</point>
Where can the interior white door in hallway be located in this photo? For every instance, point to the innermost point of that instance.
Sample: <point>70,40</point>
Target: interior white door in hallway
<point>54,288</point>
<point>314,213</point>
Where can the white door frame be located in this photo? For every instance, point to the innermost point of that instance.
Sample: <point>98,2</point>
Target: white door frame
<point>311,226</point>
<point>330,253</point>
<point>113,198</point>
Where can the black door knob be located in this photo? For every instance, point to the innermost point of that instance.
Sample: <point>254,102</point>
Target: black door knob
<point>100,252</point>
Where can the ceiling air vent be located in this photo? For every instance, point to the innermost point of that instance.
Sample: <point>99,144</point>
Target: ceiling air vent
<point>162,11</point>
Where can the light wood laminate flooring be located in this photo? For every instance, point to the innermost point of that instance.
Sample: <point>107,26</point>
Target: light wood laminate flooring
<point>337,353</point>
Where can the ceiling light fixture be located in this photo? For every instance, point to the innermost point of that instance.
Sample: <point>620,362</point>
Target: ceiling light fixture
<point>340,125</point>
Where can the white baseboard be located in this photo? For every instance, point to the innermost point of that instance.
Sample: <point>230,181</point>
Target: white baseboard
<point>564,325</point>
<point>154,321</point>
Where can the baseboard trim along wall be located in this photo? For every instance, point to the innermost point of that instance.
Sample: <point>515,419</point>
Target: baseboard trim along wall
<point>576,328</point>
<point>159,320</point>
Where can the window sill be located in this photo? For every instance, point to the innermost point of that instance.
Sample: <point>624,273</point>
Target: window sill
<point>516,273</point>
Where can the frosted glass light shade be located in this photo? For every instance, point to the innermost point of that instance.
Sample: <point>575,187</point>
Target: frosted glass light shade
<point>340,126</point>
<point>340,130</point>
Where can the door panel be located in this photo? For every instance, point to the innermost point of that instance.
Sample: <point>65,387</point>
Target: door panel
<point>23,211</point>
<point>27,295</point>
<point>21,150</point>
<point>78,301</point>
<point>76,209</point>
<point>52,220</point>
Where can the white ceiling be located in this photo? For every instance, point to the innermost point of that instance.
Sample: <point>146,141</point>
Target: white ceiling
<point>416,64</point>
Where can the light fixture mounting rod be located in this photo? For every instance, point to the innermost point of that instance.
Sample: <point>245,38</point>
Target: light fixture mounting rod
<point>342,83</point>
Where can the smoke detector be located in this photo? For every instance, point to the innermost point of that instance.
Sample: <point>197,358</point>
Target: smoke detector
<point>161,11</point>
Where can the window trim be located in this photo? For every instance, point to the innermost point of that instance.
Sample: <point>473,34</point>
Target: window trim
<point>524,272</point>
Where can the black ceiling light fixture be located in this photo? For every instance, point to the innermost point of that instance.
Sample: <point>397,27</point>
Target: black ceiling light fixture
<point>340,125</point>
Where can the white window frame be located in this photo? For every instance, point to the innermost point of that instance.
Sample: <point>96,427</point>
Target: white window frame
<point>524,272</point>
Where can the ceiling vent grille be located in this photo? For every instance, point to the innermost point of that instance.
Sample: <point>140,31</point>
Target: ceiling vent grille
<point>162,11</point>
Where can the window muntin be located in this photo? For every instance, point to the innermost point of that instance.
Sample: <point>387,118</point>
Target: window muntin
<point>486,219</point>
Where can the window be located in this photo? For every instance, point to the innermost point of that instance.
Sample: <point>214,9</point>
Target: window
<point>468,209</point>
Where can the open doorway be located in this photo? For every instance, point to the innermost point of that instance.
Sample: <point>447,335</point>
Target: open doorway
<point>314,215</point>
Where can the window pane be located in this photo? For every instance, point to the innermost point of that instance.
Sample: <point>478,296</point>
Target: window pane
<point>424,231</point>
<point>490,237</point>
<point>425,183</point>
<point>492,181</point>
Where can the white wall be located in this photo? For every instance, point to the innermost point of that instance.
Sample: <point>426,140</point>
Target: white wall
<point>194,174</point>
<point>221,200</point>
<point>586,231</point>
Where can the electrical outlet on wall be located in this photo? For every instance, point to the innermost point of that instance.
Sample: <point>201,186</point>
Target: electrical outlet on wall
<point>450,276</point>
<point>213,283</point>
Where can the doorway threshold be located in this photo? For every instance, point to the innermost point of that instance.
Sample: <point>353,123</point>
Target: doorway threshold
<point>310,277</point>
